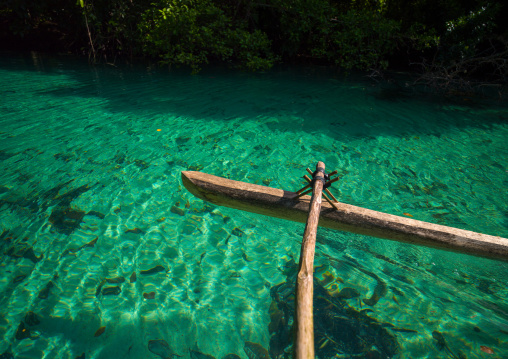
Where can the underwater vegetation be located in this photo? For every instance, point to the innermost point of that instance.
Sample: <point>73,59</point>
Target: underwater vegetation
<point>441,344</point>
<point>338,327</point>
<point>341,330</point>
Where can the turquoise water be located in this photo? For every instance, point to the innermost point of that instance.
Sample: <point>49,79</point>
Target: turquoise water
<point>105,254</point>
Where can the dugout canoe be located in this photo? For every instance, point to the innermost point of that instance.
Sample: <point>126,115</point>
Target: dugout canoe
<point>286,205</point>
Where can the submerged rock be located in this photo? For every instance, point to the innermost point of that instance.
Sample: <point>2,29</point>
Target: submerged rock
<point>276,318</point>
<point>156,269</point>
<point>198,355</point>
<point>19,278</point>
<point>7,236</point>
<point>403,330</point>
<point>255,351</point>
<point>237,232</point>
<point>379,292</point>
<point>66,220</point>
<point>135,231</point>
<point>441,344</point>
<point>73,251</point>
<point>44,293</point>
<point>347,293</point>
<point>90,244</point>
<point>141,164</point>
<point>111,290</point>
<point>30,254</point>
<point>176,210</point>
<point>150,295</point>
<point>161,348</point>
<point>96,214</point>
<point>7,355</point>
<point>99,288</point>
<point>66,199</point>
<point>31,319</point>
<point>22,332</point>
<point>21,204</point>
<point>115,280</point>
<point>23,251</point>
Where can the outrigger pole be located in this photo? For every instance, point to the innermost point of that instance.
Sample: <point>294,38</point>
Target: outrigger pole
<point>304,341</point>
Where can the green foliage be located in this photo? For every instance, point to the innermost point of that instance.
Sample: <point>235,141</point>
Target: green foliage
<point>24,16</point>
<point>466,33</point>
<point>352,35</point>
<point>112,26</point>
<point>418,37</point>
<point>253,35</point>
<point>193,32</point>
<point>361,40</point>
<point>298,24</point>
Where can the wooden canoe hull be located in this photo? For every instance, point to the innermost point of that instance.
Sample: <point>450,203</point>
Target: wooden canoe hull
<point>284,204</point>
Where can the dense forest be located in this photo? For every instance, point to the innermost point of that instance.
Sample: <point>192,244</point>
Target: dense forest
<point>452,42</point>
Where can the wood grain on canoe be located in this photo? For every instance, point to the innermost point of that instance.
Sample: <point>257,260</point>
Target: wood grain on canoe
<point>285,204</point>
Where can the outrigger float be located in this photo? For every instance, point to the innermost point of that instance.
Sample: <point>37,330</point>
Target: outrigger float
<point>297,206</point>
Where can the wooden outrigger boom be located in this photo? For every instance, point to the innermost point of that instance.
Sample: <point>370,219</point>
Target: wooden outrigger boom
<point>304,324</point>
<point>345,217</point>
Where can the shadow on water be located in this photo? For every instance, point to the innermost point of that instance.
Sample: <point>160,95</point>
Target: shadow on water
<point>286,99</point>
<point>83,336</point>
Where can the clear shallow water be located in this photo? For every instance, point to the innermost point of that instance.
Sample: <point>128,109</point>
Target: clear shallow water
<point>90,193</point>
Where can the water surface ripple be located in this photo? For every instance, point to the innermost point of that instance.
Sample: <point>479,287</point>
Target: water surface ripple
<point>105,254</point>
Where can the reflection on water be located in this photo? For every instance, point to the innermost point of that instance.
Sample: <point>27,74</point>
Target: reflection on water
<point>104,253</point>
